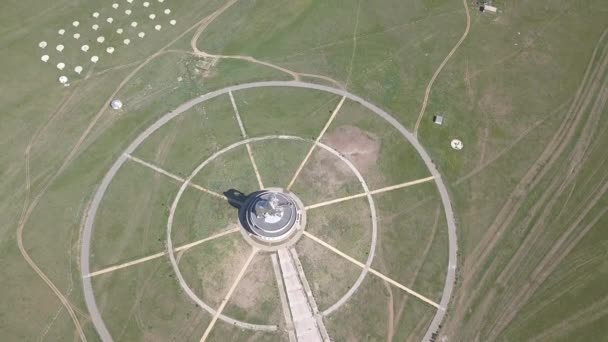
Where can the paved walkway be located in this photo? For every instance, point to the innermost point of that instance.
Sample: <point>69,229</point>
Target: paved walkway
<point>283,295</point>
<point>311,298</point>
<point>304,320</point>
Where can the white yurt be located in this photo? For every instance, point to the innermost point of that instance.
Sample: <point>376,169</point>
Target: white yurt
<point>116,104</point>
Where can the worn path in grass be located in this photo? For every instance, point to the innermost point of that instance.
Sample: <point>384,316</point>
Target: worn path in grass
<point>29,207</point>
<point>427,92</point>
<point>584,103</point>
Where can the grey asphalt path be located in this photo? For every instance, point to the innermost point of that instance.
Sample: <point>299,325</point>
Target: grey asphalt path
<point>301,310</point>
<point>103,186</point>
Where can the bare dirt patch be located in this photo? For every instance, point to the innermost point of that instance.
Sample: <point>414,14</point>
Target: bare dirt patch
<point>359,146</point>
<point>329,275</point>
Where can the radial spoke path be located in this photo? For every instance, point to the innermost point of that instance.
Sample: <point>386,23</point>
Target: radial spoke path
<point>219,310</point>
<point>371,270</point>
<point>176,177</point>
<point>312,148</point>
<point>160,254</point>
<point>244,134</point>
<point>373,192</point>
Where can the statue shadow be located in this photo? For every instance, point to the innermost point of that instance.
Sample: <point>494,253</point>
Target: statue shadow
<point>235,198</point>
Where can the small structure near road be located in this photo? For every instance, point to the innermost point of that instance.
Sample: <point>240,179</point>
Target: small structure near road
<point>116,104</point>
<point>489,8</point>
<point>205,65</point>
<point>438,119</point>
<point>486,5</point>
<point>457,144</point>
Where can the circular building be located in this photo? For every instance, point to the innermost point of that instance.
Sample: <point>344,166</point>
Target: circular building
<point>271,215</point>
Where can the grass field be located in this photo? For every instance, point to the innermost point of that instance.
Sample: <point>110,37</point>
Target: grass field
<point>255,299</point>
<point>278,160</point>
<point>350,233</point>
<point>225,331</point>
<point>412,242</point>
<point>526,92</point>
<point>210,269</point>
<point>350,322</point>
<point>144,303</point>
<point>330,276</point>
<point>124,236</point>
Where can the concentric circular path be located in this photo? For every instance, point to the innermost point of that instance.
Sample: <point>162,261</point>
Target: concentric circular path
<point>99,194</point>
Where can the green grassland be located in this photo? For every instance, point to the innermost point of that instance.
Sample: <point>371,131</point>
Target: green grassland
<point>256,299</point>
<point>288,111</point>
<point>346,225</point>
<point>317,37</point>
<point>329,275</point>
<point>367,316</point>
<point>224,331</point>
<point>508,99</point>
<point>199,216</point>
<point>146,303</point>
<point>411,318</point>
<point>525,92</point>
<point>412,239</point>
<point>231,170</point>
<point>196,134</point>
<point>211,268</point>
<point>133,226</point>
<point>59,116</point>
<point>351,322</point>
<point>278,160</point>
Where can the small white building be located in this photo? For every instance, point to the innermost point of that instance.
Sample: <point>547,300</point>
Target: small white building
<point>490,8</point>
<point>116,104</point>
<point>438,119</point>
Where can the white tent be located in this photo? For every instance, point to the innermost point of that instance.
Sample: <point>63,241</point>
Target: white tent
<point>456,144</point>
<point>116,104</point>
